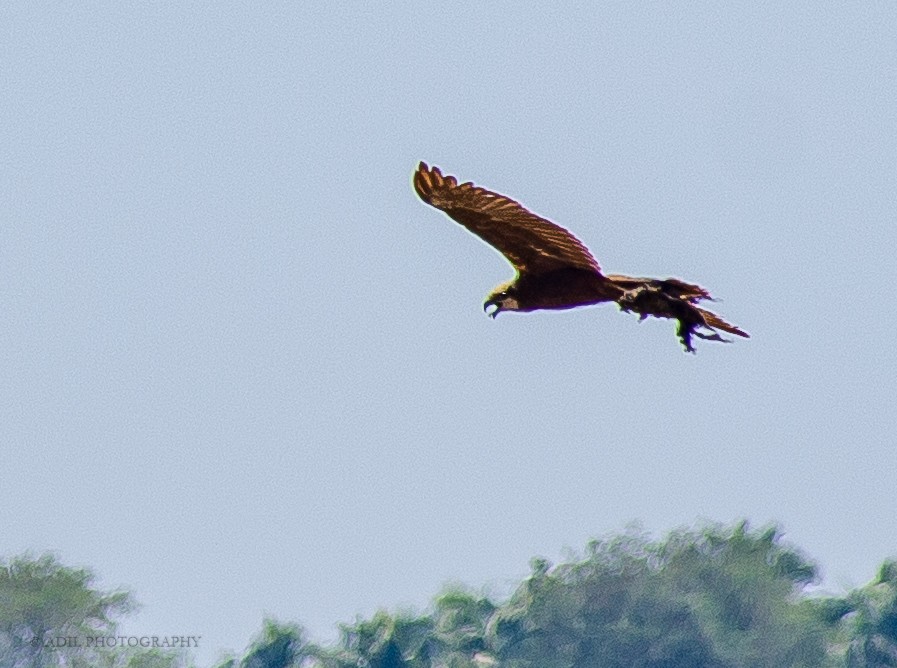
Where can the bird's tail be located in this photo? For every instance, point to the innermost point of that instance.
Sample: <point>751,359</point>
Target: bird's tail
<point>713,321</point>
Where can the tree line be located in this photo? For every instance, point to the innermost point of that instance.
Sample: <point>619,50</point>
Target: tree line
<point>713,597</point>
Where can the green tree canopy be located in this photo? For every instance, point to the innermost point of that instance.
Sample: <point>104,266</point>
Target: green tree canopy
<point>714,598</point>
<point>49,613</point>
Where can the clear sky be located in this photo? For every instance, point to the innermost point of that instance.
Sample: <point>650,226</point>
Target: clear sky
<point>246,371</point>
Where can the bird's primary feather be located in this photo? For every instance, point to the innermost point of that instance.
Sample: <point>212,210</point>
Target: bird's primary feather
<point>528,241</point>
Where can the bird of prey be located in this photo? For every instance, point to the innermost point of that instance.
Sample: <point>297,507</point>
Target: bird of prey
<point>554,269</point>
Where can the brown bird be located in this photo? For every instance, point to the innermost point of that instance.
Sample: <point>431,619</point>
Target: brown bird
<point>554,269</point>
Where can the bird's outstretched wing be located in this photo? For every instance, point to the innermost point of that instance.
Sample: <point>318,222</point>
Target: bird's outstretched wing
<point>530,243</point>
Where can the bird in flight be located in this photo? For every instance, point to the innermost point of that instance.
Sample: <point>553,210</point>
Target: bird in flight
<point>555,270</point>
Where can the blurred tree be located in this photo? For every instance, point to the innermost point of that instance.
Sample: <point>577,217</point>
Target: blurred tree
<point>713,598</point>
<point>278,646</point>
<point>48,613</point>
<point>744,588</point>
<point>709,598</point>
<point>460,619</point>
<point>380,642</point>
<point>611,609</point>
<point>451,636</point>
<point>868,617</point>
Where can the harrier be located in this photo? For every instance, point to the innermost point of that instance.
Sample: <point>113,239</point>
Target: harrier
<point>554,269</point>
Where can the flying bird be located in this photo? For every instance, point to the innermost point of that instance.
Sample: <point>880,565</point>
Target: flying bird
<point>554,270</point>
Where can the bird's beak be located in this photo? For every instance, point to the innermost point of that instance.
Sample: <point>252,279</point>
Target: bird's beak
<point>492,302</point>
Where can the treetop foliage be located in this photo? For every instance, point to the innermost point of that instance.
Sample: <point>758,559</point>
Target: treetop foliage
<point>712,597</point>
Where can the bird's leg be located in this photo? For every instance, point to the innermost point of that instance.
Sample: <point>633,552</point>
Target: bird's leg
<point>684,332</point>
<point>652,300</point>
<point>688,329</point>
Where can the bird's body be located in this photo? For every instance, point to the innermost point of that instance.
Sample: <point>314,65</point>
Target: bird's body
<point>554,269</point>
<point>563,288</point>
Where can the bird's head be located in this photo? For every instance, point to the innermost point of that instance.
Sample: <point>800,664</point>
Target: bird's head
<point>503,298</point>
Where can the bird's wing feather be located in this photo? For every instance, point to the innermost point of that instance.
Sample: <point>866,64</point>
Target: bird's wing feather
<point>529,242</point>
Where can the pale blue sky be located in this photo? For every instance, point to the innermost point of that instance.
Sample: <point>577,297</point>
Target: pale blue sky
<point>246,371</point>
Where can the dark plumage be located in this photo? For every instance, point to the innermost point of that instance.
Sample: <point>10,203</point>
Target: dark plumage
<point>554,269</point>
